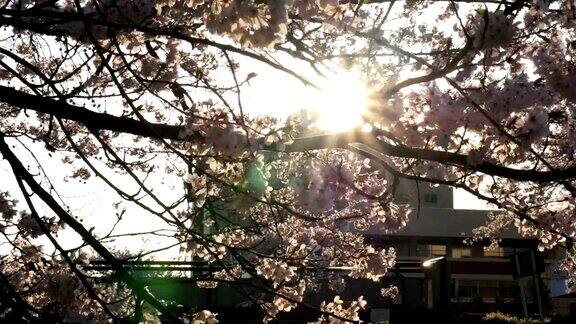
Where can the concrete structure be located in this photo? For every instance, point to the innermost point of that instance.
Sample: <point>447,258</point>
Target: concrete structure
<point>460,280</point>
<point>562,300</point>
<point>464,278</point>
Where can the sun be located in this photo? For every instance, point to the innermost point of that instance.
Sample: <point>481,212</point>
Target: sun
<point>336,104</point>
<point>340,101</point>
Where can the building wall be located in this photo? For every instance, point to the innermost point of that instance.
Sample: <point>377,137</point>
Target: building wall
<point>477,280</point>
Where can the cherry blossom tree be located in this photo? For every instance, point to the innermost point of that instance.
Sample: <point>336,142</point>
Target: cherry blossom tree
<point>135,94</point>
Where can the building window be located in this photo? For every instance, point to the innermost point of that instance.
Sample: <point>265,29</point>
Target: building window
<point>461,252</point>
<point>430,250</point>
<point>498,252</point>
<point>467,290</point>
<point>487,291</point>
<point>508,291</point>
<point>431,198</point>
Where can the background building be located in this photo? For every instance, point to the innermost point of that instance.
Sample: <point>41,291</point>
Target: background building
<point>461,278</point>
<point>437,274</point>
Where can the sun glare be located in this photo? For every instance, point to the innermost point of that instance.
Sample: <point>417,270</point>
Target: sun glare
<point>339,102</point>
<point>336,106</point>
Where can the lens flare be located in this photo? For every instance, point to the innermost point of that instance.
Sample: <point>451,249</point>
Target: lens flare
<point>339,103</point>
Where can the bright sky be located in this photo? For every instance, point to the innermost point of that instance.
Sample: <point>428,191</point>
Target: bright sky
<point>339,102</point>
<point>343,97</point>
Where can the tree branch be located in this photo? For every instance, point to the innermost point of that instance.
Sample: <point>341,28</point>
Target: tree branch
<point>21,172</point>
<point>90,119</point>
<point>102,121</point>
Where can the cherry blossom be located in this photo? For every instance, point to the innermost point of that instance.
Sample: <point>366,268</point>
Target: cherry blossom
<point>150,99</point>
<point>491,29</point>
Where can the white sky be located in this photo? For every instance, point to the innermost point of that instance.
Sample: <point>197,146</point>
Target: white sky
<point>271,92</point>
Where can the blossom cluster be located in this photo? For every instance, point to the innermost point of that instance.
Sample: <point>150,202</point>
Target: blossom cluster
<point>390,292</point>
<point>337,307</point>
<point>49,284</point>
<point>373,264</point>
<point>496,223</point>
<point>286,299</point>
<point>29,225</point>
<point>26,223</point>
<point>204,317</point>
<point>7,207</point>
<point>559,73</point>
<point>500,95</point>
<point>222,136</point>
<point>343,181</point>
<point>229,140</point>
<point>491,29</point>
<point>275,270</point>
<point>259,24</point>
<point>248,23</point>
<point>547,239</point>
<point>516,94</point>
<point>326,185</point>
